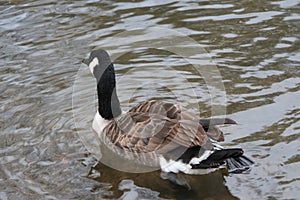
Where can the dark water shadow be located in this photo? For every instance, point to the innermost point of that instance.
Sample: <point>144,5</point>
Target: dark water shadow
<point>209,186</point>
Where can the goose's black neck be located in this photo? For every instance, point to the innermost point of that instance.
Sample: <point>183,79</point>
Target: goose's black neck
<point>109,105</point>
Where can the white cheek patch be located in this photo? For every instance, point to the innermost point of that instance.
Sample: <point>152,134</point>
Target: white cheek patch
<point>93,64</point>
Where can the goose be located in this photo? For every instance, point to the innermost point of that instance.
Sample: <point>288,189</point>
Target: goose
<point>158,133</point>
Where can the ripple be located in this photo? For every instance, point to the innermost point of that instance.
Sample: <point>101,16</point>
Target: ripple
<point>257,17</point>
<point>286,3</point>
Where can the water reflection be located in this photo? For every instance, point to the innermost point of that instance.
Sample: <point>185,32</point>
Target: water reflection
<point>152,186</point>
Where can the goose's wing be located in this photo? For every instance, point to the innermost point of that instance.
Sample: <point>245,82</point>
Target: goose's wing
<point>144,132</point>
<point>169,110</point>
<point>174,111</point>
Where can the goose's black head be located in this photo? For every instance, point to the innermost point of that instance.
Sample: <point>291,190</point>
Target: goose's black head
<point>102,68</point>
<point>99,62</point>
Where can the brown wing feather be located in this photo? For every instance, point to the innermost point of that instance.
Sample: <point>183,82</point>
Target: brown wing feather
<point>170,110</point>
<point>144,132</point>
<point>174,111</point>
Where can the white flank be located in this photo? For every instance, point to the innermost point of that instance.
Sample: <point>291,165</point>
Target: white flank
<point>173,166</point>
<point>179,166</point>
<point>204,156</point>
<point>93,64</point>
<point>99,123</point>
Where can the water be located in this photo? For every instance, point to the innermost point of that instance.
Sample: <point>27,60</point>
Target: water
<point>254,45</point>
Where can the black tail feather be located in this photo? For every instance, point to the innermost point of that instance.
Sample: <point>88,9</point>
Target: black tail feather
<point>207,122</point>
<point>238,164</point>
<point>234,159</point>
<point>218,158</point>
<point>223,154</point>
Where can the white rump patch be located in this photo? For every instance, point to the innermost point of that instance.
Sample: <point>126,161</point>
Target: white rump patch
<point>204,156</point>
<point>173,166</point>
<point>179,166</point>
<point>93,64</point>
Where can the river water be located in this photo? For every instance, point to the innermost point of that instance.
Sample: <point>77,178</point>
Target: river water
<point>248,60</point>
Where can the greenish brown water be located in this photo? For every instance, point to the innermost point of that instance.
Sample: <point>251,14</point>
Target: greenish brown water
<point>255,46</point>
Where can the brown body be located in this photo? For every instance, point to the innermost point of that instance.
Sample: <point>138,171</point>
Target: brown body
<point>159,127</point>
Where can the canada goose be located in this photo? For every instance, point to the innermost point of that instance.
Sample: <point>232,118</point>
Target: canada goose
<point>167,135</point>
